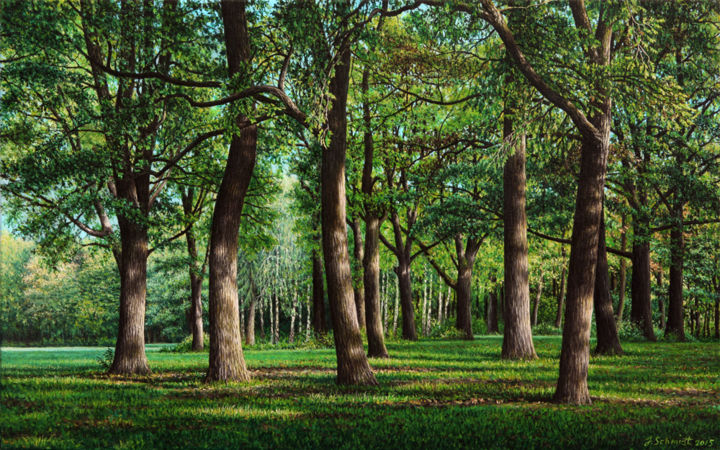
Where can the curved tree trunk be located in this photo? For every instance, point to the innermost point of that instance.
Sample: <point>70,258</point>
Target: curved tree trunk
<point>575,353</point>
<point>130,358</point>
<point>227,362</point>
<point>608,342</point>
<point>371,266</point>
<point>517,339</point>
<point>675,320</point>
<point>353,367</point>
<point>318,319</point>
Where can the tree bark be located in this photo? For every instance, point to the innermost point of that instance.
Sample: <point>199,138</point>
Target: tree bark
<point>250,323</point>
<point>318,320</point>
<point>358,290</point>
<point>406,304</point>
<point>517,339</point>
<point>623,274</point>
<point>661,302</point>
<point>575,354</point>
<point>463,286</point>
<point>130,358</point>
<point>371,283</point>
<point>561,294</point>
<point>536,303</point>
<point>640,312</point>
<point>195,316</point>
<point>608,342</point>
<point>675,320</point>
<point>227,362</point>
<point>353,367</point>
<point>492,313</point>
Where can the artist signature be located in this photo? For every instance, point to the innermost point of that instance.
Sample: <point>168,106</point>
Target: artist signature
<point>656,441</point>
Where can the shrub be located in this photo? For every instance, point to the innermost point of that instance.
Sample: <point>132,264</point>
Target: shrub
<point>546,329</point>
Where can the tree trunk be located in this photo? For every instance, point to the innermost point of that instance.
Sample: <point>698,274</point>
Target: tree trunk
<point>661,302</point>
<point>291,336</point>
<point>353,367</point>
<point>675,319</point>
<point>195,316</point>
<point>250,323</point>
<point>623,274</point>
<point>397,301</point>
<point>575,353</point>
<point>517,340</point>
<point>561,295</point>
<point>608,342</point>
<point>227,362</point>
<point>717,308</point>
<point>318,300</point>
<point>463,321</point>
<point>492,324</point>
<point>536,303</point>
<point>371,282</point>
<point>130,358</point>
<point>641,313</point>
<point>406,303</point>
<point>358,290</point>
<point>196,312</point>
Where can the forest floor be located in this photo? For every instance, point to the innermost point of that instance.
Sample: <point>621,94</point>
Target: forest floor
<point>432,394</point>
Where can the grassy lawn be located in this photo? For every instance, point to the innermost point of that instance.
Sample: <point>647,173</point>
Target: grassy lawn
<point>432,394</point>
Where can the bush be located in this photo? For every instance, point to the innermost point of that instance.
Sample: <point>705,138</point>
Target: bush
<point>446,330</point>
<point>628,331</point>
<point>546,329</point>
<point>315,342</point>
<point>185,345</point>
<point>106,359</point>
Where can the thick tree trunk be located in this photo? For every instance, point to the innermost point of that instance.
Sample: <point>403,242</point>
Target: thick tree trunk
<point>358,290</point>
<point>227,362</point>
<point>353,367</point>
<point>561,294</point>
<point>575,353</point>
<point>406,304</point>
<point>608,342</point>
<point>517,340</point>
<point>675,319</point>
<point>371,282</point>
<point>130,358</point>
<point>318,320</point>
<point>640,312</point>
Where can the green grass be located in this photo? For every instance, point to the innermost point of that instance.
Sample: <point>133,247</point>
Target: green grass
<point>432,394</point>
